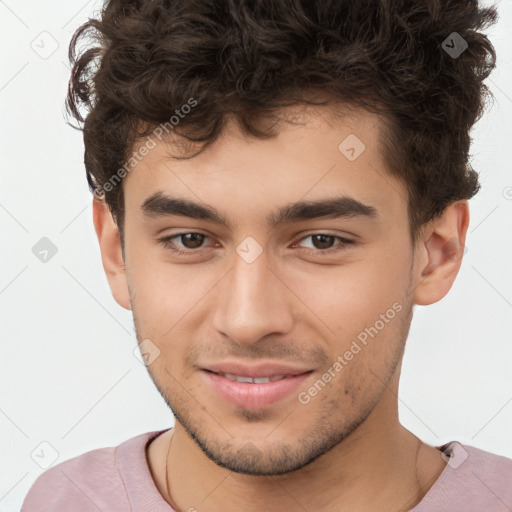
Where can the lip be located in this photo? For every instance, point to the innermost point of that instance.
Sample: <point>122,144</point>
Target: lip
<point>252,395</point>
<point>257,370</point>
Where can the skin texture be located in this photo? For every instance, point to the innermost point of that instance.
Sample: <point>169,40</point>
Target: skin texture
<point>345,450</point>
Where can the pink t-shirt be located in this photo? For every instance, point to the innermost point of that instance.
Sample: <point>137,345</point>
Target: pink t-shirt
<point>118,479</point>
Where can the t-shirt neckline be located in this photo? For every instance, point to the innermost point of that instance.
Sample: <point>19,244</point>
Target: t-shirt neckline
<point>132,463</point>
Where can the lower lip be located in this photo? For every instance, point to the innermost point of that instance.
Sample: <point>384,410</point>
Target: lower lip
<point>254,396</point>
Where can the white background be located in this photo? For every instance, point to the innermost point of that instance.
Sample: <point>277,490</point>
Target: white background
<point>68,375</point>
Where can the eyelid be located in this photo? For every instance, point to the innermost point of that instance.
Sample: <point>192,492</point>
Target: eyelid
<point>343,242</point>
<point>326,233</point>
<point>168,240</point>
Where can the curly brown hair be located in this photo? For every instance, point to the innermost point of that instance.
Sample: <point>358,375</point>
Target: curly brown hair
<point>248,59</point>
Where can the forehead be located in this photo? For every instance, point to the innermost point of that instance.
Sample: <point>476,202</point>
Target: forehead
<point>328,152</point>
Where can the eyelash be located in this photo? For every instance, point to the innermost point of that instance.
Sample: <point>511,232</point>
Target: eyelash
<point>168,244</point>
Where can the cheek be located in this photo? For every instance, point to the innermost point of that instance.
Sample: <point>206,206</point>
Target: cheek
<point>361,309</point>
<point>165,293</point>
<point>350,298</point>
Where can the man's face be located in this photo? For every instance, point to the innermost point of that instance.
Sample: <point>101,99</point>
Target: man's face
<point>253,292</point>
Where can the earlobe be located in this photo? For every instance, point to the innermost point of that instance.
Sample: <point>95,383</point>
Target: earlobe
<point>111,252</point>
<point>439,254</point>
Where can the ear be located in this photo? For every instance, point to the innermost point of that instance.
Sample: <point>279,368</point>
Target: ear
<point>111,252</point>
<point>438,254</point>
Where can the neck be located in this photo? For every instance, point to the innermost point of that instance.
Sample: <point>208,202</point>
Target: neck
<point>380,465</point>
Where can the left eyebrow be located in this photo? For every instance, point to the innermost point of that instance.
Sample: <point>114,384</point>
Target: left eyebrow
<point>332,208</point>
<point>159,205</point>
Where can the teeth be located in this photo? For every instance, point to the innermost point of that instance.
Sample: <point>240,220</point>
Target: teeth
<point>261,380</point>
<point>255,380</point>
<point>277,377</point>
<point>238,378</point>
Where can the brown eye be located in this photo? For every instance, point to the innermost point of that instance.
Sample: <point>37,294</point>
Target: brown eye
<point>192,240</point>
<point>192,243</point>
<point>323,243</point>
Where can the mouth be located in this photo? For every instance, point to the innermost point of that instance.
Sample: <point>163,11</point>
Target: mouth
<point>254,392</point>
<point>252,380</point>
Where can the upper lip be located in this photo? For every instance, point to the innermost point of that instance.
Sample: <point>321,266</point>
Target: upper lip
<point>256,370</point>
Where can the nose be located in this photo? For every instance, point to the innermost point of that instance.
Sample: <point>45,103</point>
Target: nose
<point>253,301</point>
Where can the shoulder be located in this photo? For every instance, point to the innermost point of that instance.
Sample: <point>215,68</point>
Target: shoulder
<point>475,462</point>
<point>491,473</point>
<point>473,480</point>
<point>77,483</point>
<point>89,482</point>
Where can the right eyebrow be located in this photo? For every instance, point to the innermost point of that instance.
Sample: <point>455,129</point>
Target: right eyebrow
<point>160,205</point>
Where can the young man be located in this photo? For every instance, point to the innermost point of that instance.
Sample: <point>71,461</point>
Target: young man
<point>277,184</point>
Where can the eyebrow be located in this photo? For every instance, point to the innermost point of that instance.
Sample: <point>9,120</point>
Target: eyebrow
<point>161,205</point>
